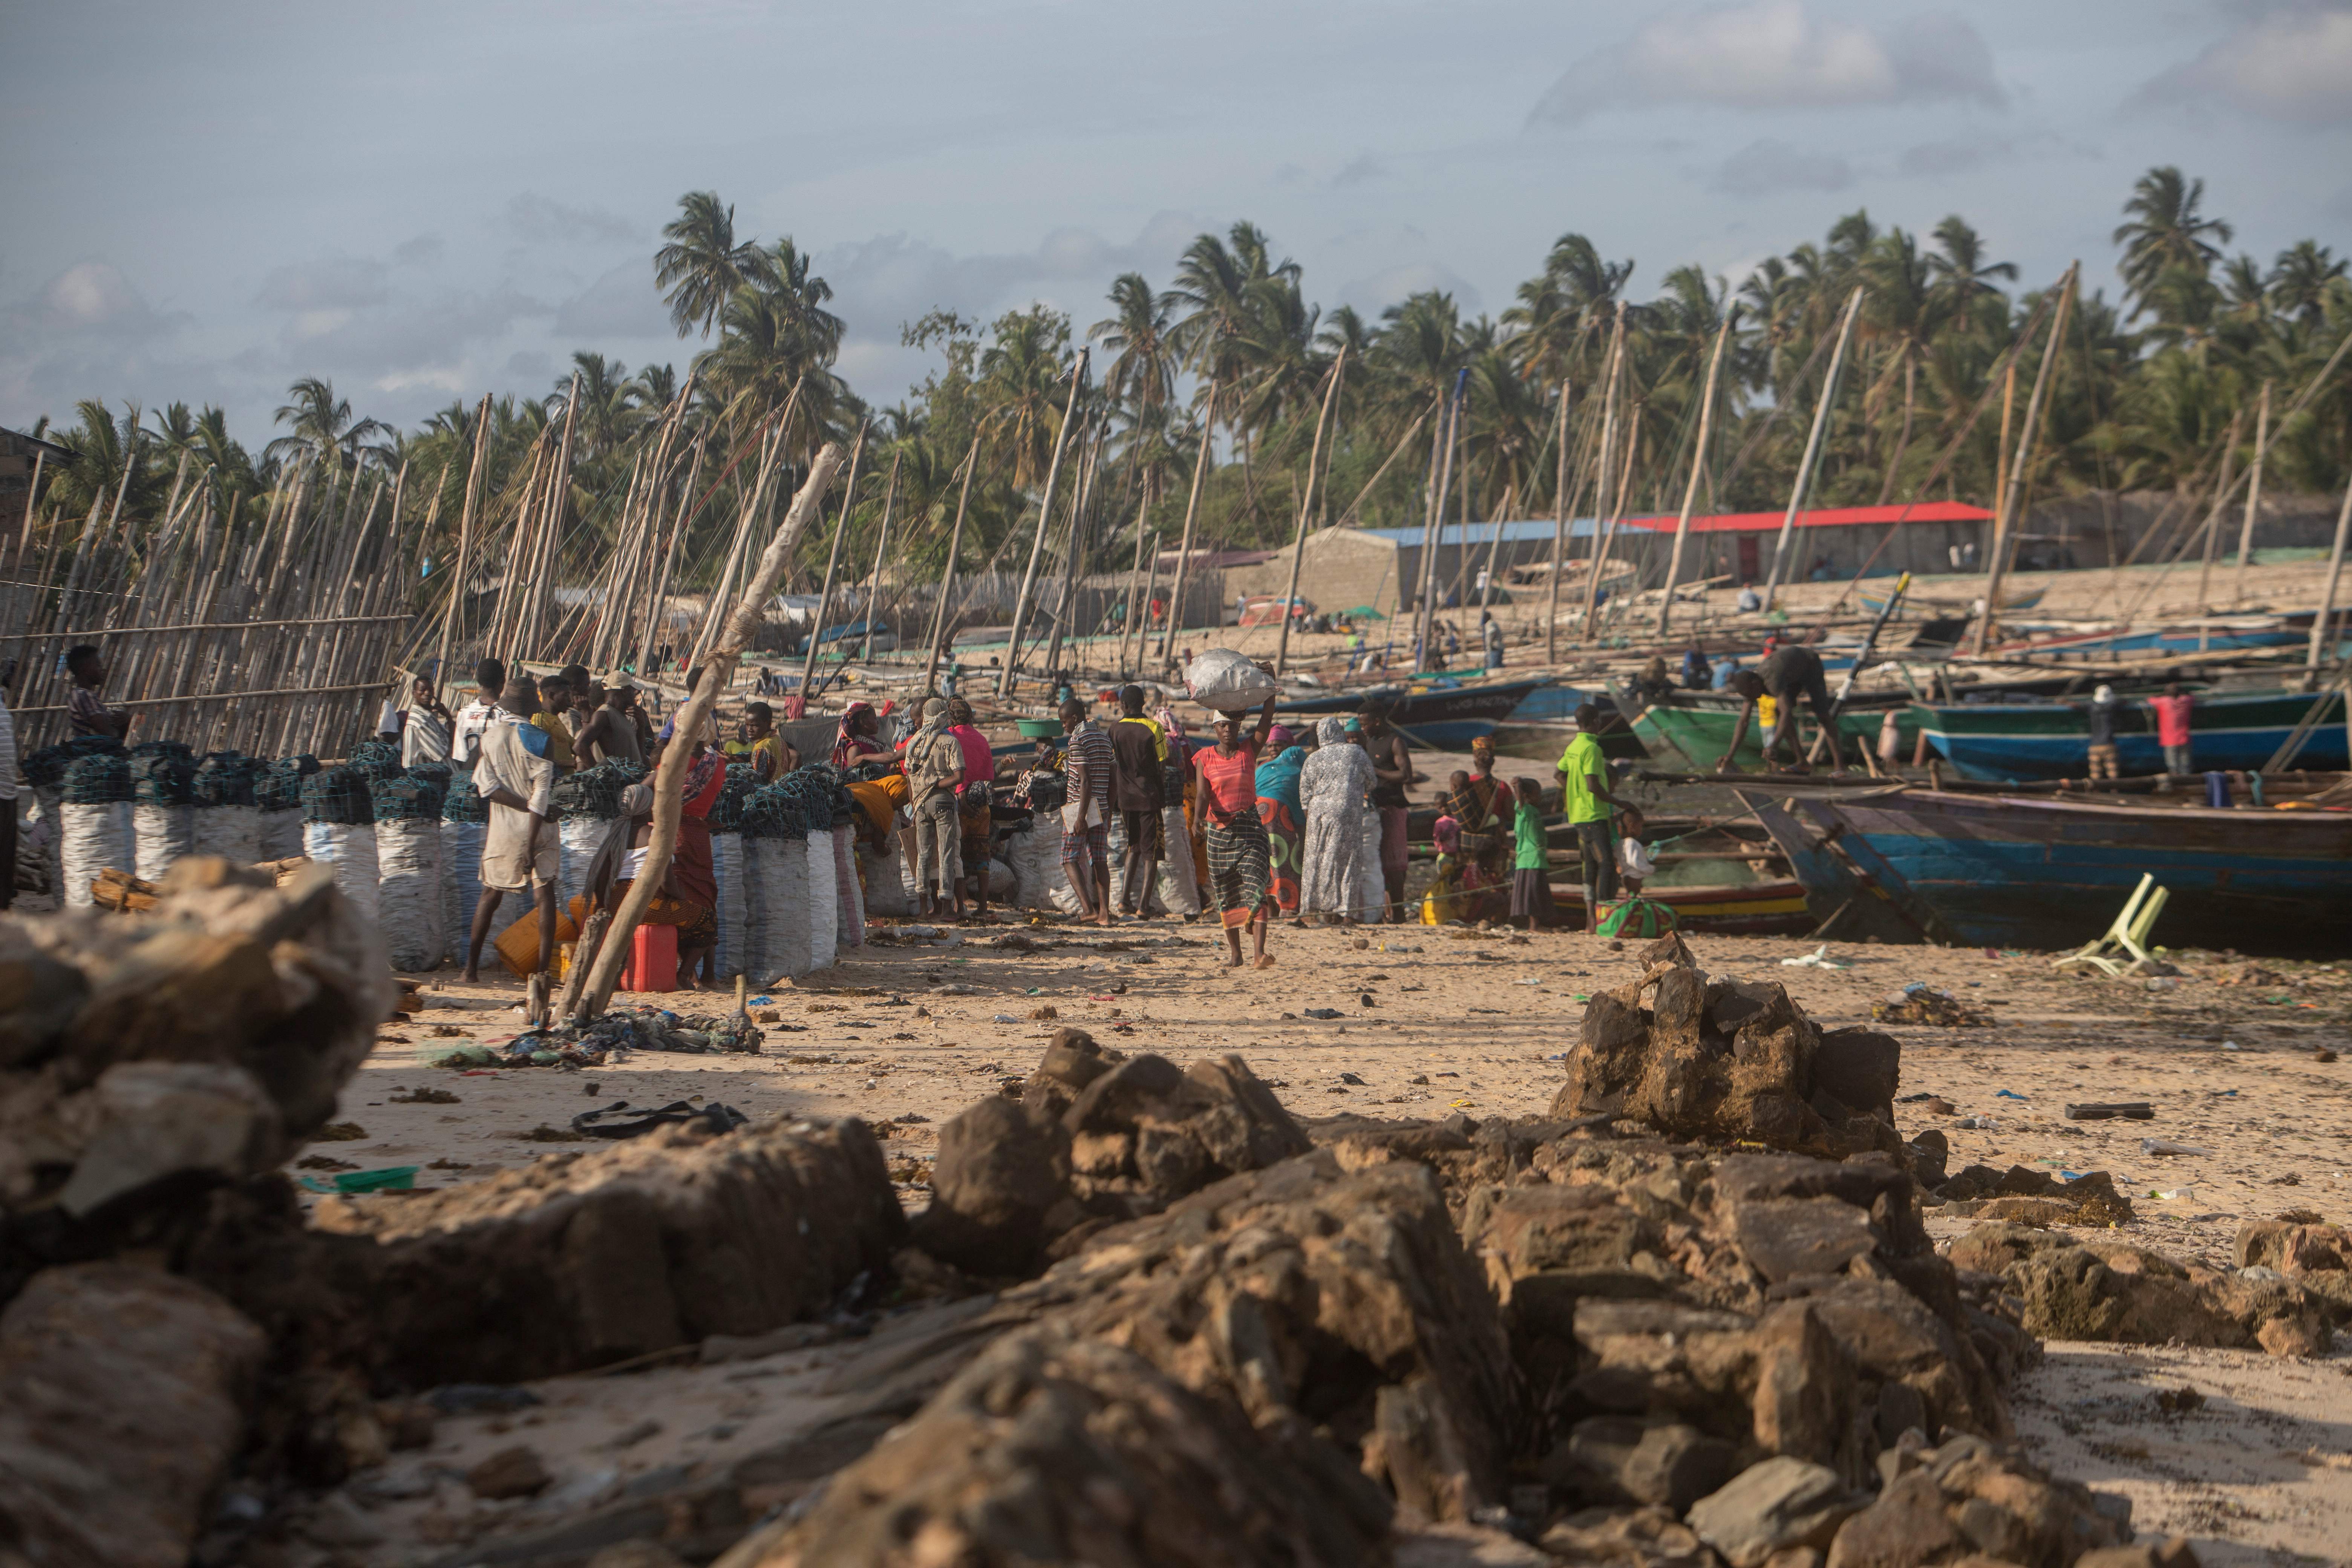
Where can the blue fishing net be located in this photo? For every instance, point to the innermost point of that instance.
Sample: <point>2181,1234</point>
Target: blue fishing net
<point>404,797</point>
<point>338,795</point>
<point>278,786</point>
<point>726,814</point>
<point>460,803</point>
<point>225,778</point>
<point>99,778</point>
<point>595,793</point>
<point>162,777</point>
<point>774,812</point>
<point>47,767</point>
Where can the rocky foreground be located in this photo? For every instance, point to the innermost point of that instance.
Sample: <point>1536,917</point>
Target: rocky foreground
<point>1692,1317</point>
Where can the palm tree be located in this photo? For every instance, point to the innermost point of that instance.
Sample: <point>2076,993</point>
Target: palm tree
<point>1139,334</point>
<point>702,266</point>
<point>2299,281</point>
<point>1019,389</point>
<point>2164,231</point>
<point>323,428</point>
<point>1963,277</point>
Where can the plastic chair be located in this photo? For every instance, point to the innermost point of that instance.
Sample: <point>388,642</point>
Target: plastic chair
<point>2128,934</point>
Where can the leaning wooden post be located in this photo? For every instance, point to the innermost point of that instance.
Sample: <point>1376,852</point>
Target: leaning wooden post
<point>464,546</point>
<point>2322,632</point>
<point>1305,511</point>
<point>670,779</point>
<point>1192,512</point>
<point>2254,497</point>
<point>1698,466</point>
<point>1810,460</point>
<point>881,545</point>
<point>940,613</point>
<point>2004,522</point>
<point>833,561</point>
<point>1045,516</point>
<point>1559,534</point>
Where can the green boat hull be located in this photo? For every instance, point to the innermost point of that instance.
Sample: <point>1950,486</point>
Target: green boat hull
<point>1702,735</point>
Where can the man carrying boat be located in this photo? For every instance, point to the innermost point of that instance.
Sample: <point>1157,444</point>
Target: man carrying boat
<point>1788,672</point>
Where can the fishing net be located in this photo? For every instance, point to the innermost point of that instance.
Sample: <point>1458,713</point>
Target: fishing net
<point>99,778</point>
<point>376,759</point>
<point>462,803</point>
<point>46,769</point>
<point>162,777</point>
<point>597,792</point>
<point>227,822</point>
<point>812,788</point>
<point>773,811</point>
<point>227,778</point>
<point>404,797</point>
<point>94,826</point>
<point>162,819</point>
<point>726,814</point>
<point>338,795</point>
<point>278,793</point>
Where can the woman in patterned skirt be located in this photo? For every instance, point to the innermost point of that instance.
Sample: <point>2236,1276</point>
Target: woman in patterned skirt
<point>1224,803</point>
<point>1286,819</point>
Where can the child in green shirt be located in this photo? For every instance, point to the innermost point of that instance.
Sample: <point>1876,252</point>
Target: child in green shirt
<point>1531,873</point>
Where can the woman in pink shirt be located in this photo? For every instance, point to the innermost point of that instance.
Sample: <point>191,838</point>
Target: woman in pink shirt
<point>1224,803</point>
<point>2172,728</point>
<point>977,823</point>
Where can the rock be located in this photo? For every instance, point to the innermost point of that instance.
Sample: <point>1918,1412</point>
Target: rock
<point>1464,1546</point>
<point>581,1259</point>
<point>1779,1503</point>
<point>1056,1446</point>
<point>1072,1061</point>
<point>2171,1552</point>
<point>122,1403</point>
<point>1627,1538</point>
<point>1001,1169</point>
<point>207,1040</point>
<point>1787,1238</point>
<point>2314,1256</point>
<point>1729,1059</point>
<point>1188,1128</point>
<point>1613,1458</point>
<point>637,1554</point>
<point>1969,1497</point>
<point>510,1472</point>
<point>2101,1290</point>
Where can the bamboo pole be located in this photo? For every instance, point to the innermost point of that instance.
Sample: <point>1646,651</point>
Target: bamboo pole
<point>1608,483</point>
<point>881,548</point>
<point>2004,522</point>
<point>1807,464</point>
<point>1192,512</point>
<point>1045,515</point>
<point>2322,629</point>
<point>833,558</point>
<point>940,628</point>
<point>1445,439</point>
<point>2254,496</point>
<point>1074,549</point>
<point>465,543</point>
<point>1616,516</point>
<point>1305,511</point>
<point>1698,466</point>
<point>1558,534</point>
<point>669,778</point>
<point>1128,624</point>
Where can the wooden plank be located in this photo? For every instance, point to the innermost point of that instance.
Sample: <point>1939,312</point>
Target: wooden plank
<point>1878,873</point>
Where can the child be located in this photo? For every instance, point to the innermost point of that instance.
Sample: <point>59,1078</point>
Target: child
<point>1633,863</point>
<point>1530,872</point>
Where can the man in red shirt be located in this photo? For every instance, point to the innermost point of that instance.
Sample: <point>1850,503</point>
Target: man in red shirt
<point>1224,805</point>
<point>2172,728</point>
<point>973,799</point>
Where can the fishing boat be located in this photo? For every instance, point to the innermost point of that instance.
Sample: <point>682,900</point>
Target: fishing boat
<point>1999,742</point>
<point>1698,728</point>
<point>1435,712</point>
<point>2003,870</point>
<point>2178,638</point>
<point>1775,908</point>
<point>2022,599</point>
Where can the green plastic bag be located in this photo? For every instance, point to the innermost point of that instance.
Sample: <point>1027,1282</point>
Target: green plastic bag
<point>1638,917</point>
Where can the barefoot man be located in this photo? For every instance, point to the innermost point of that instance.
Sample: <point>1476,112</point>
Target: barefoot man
<point>1225,806</point>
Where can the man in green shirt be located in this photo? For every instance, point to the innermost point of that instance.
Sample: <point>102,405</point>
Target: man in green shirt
<point>1584,794</point>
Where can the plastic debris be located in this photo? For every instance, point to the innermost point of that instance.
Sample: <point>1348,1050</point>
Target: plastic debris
<point>1817,959</point>
<point>2166,1146</point>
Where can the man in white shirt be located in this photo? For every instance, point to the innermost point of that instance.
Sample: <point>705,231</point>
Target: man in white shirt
<point>424,737</point>
<point>515,779</point>
<point>474,717</point>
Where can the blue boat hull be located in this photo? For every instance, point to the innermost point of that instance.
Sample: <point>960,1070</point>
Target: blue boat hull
<point>2052,875</point>
<point>2230,733</point>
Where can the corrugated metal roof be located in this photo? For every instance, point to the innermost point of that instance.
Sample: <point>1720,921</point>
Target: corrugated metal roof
<point>1483,532</point>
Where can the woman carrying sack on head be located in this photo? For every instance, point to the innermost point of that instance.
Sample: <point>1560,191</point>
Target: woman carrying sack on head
<point>1224,801</point>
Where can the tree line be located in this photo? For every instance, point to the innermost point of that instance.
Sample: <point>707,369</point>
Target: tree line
<point>1227,365</point>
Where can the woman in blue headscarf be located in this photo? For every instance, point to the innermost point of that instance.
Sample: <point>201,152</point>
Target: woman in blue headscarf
<point>1332,786</point>
<point>1286,819</point>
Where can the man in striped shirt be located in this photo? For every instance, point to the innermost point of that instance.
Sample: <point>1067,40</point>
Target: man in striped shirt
<point>86,711</point>
<point>1085,816</point>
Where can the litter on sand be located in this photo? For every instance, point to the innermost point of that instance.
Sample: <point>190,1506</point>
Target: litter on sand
<point>2129,1110</point>
<point>2166,1146</point>
<point>1817,959</point>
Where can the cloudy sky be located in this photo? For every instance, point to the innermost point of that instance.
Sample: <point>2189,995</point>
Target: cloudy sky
<point>431,199</point>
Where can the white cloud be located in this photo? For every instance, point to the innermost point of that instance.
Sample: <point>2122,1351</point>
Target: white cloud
<point>91,295</point>
<point>2288,59</point>
<point>1774,55</point>
<point>623,303</point>
<point>1761,168</point>
<point>88,332</point>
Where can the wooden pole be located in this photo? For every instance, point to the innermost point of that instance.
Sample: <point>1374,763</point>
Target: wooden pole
<point>670,779</point>
<point>1037,540</point>
<point>1616,516</point>
<point>1698,466</point>
<point>1558,534</point>
<point>881,548</point>
<point>832,559</point>
<point>2323,638</point>
<point>1812,459</point>
<point>940,628</point>
<point>1135,581</point>
<point>2004,522</point>
<point>1609,484</point>
<point>1305,511</point>
<point>1073,553</point>
<point>1432,530</point>
<point>2254,496</point>
<point>1184,549</point>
